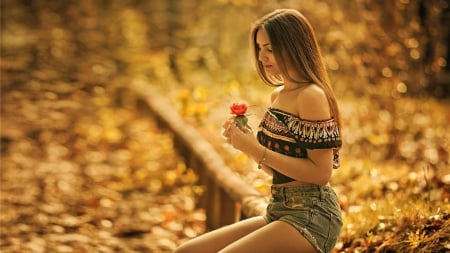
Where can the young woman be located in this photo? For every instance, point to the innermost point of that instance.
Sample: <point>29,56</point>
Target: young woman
<point>297,142</point>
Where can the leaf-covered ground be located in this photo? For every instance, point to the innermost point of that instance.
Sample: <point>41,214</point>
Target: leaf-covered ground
<point>83,172</point>
<point>79,174</point>
<point>394,182</point>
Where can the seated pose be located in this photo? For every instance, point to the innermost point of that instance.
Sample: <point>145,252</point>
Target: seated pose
<point>297,143</point>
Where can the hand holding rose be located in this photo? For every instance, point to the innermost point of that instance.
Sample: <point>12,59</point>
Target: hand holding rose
<point>240,110</point>
<point>236,130</point>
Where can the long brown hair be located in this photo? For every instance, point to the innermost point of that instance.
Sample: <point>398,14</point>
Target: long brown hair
<point>294,44</point>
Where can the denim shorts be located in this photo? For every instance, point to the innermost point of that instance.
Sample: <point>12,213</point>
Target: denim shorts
<point>312,209</point>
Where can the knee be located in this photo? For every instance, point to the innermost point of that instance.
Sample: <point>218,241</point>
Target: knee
<point>194,246</point>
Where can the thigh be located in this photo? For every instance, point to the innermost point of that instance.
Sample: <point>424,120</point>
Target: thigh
<point>277,236</point>
<point>216,240</point>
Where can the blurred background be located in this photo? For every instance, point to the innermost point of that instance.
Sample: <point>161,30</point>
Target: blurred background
<point>79,161</point>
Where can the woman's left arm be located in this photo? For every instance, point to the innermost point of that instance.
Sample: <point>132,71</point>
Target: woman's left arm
<point>315,169</point>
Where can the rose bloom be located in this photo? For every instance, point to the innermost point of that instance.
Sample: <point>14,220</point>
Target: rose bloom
<point>238,108</point>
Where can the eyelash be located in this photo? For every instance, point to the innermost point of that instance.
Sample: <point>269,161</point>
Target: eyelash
<point>268,50</point>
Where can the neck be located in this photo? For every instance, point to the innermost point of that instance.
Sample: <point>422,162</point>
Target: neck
<point>290,86</point>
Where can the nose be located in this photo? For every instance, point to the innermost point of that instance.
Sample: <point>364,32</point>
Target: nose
<point>262,56</point>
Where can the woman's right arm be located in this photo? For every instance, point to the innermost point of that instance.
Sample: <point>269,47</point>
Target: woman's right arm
<point>264,167</point>
<point>267,169</point>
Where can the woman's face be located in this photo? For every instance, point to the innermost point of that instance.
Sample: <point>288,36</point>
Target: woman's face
<point>266,56</point>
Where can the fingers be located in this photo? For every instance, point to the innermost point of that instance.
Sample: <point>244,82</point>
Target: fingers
<point>232,131</point>
<point>226,126</point>
<point>227,123</point>
<point>227,135</point>
<point>228,132</point>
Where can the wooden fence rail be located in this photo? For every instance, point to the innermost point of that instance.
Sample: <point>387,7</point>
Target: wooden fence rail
<point>227,197</point>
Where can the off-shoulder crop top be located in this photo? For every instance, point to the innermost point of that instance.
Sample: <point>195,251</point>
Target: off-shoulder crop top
<point>290,135</point>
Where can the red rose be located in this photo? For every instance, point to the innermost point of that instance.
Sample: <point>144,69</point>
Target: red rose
<point>238,108</point>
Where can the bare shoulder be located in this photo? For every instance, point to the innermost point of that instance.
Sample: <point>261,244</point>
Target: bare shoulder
<point>312,103</point>
<point>275,93</point>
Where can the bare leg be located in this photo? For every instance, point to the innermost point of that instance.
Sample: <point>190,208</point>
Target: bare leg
<point>277,236</point>
<point>216,240</point>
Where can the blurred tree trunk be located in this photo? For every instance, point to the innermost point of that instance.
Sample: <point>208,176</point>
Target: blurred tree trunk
<point>435,26</point>
<point>173,42</point>
<point>422,29</point>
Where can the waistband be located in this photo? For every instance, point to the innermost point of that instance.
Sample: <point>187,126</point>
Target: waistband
<point>307,189</point>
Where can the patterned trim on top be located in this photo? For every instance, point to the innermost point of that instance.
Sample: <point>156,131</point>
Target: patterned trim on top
<point>288,134</point>
<point>311,134</point>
